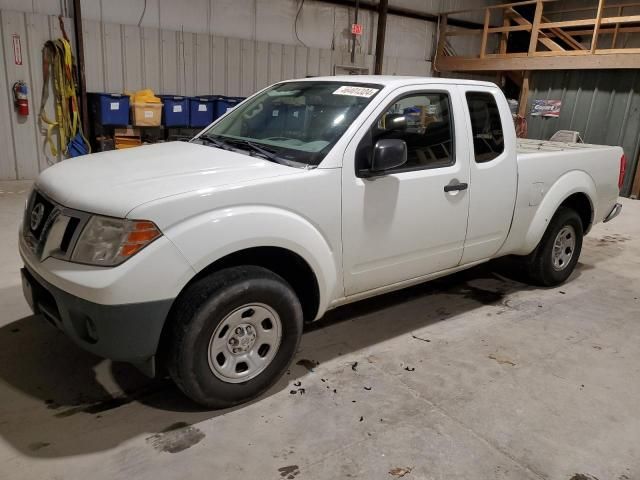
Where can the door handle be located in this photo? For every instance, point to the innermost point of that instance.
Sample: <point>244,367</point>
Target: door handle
<point>455,187</point>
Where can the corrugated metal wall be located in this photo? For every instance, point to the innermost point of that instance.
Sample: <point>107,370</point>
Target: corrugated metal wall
<point>603,105</point>
<point>127,57</point>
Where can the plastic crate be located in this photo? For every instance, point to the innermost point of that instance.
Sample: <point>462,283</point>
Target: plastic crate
<point>147,114</point>
<point>110,108</point>
<point>175,112</point>
<point>200,111</point>
<point>224,104</point>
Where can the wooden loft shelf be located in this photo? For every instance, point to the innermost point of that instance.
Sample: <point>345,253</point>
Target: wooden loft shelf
<point>553,45</point>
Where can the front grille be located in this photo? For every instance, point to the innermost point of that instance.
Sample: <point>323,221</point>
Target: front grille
<point>42,218</point>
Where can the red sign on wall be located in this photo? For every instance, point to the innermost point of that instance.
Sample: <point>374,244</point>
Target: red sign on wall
<point>356,29</point>
<point>17,49</point>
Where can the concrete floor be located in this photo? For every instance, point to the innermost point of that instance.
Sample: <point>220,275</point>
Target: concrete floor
<point>472,377</point>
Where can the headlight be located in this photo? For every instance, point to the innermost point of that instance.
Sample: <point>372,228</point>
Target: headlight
<point>108,241</point>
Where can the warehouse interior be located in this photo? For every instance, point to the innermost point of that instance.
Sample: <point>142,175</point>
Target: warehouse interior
<point>502,367</point>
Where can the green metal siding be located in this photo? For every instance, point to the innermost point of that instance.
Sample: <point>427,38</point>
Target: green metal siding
<point>603,105</point>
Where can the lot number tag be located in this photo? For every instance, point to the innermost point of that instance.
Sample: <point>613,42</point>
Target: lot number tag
<point>356,91</point>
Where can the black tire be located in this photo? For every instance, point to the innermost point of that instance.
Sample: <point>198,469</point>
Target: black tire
<point>198,312</point>
<point>539,265</point>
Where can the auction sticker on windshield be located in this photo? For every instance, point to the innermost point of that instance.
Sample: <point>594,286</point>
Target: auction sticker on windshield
<point>356,91</point>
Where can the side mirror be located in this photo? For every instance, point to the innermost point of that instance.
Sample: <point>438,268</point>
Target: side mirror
<point>395,122</point>
<point>387,154</point>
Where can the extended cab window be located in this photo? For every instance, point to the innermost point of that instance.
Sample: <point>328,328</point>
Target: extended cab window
<point>486,126</point>
<point>423,121</point>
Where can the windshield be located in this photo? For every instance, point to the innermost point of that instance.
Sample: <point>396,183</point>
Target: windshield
<point>295,123</point>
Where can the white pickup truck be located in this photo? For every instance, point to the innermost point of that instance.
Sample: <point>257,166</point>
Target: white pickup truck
<point>204,259</point>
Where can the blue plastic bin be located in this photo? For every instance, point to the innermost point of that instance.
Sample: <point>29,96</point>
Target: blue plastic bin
<point>110,108</point>
<point>175,111</point>
<point>222,104</point>
<point>200,111</point>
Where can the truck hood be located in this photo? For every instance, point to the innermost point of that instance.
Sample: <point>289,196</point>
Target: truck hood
<point>113,183</point>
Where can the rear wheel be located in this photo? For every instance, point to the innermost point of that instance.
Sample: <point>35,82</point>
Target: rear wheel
<point>233,335</point>
<point>557,254</point>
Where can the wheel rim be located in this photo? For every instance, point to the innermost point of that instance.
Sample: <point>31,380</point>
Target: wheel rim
<point>244,343</point>
<point>564,247</point>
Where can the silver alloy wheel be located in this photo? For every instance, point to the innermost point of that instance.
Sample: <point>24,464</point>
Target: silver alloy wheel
<point>245,343</point>
<point>563,247</point>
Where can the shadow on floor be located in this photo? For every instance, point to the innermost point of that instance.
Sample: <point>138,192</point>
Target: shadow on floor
<point>53,385</point>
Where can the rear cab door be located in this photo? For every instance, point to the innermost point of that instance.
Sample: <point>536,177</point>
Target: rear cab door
<point>493,170</point>
<point>405,225</point>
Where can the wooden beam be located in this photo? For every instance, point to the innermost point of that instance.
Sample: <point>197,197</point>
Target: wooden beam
<point>524,24</point>
<point>524,94</point>
<point>616,30</point>
<point>603,31</point>
<point>567,38</point>
<point>485,33</point>
<point>504,38</point>
<point>596,28</point>
<point>514,28</point>
<point>622,51</point>
<point>620,19</point>
<point>588,9</point>
<point>443,36</point>
<point>568,23</point>
<point>533,42</point>
<point>540,62</point>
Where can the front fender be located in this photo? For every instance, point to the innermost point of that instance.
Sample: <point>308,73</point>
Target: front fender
<point>215,234</point>
<point>575,181</point>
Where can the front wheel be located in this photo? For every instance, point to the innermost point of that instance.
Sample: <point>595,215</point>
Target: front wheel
<point>233,335</point>
<point>556,256</point>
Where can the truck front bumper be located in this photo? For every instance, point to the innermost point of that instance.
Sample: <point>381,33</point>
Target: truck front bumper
<point>128,332</point>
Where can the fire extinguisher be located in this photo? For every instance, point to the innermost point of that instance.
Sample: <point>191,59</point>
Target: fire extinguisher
<point>21,98</point>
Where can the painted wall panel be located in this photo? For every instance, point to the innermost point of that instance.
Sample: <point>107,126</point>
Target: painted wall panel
<point>7,155</point>
<point>262,65</point>
<point>219,65</point>
<point>24,139</point>
<point>112,57</point>
<point>169,61</point>
<point>152,68</point>
<point>187,58</point>
<point>202,64</point>
<point>132,57</point>
<point>247,70</point>
<point>275,63</point>
<point>233,67</point>
<point>93,64</point>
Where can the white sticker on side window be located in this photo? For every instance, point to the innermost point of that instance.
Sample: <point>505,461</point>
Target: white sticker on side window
<point>356,91</point>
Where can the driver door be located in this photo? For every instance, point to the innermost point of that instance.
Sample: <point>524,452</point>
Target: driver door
<point>404,225</point>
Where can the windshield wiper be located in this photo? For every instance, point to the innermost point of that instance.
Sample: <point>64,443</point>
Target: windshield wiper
<point>260,150</point>
<point>212,141</point>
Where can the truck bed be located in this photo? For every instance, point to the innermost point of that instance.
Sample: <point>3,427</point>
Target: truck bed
<point>526,145</point>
